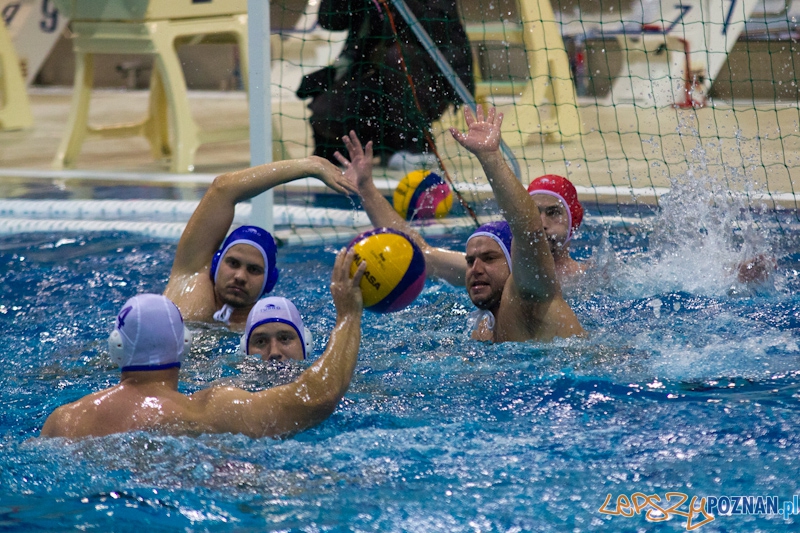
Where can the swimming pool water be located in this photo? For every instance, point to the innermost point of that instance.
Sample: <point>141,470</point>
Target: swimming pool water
<point>688,383</point>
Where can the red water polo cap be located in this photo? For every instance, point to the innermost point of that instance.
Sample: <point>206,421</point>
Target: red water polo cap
<point>564,190</point>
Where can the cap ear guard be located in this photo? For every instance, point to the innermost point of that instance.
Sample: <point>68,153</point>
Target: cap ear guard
<point>215,264</point>
<point>187,341</point>
<point>242,348</point>
<point>308,341</point>
<point>272,279</point>
<point>116,346</point>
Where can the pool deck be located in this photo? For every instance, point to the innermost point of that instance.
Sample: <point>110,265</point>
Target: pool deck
<point>625,154</point>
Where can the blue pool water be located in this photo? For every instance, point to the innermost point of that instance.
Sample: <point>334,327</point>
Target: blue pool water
<point>688,384</point>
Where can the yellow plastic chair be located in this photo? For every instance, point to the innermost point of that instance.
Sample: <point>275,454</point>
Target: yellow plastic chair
<point>550,79</point>
<point>169,126</point>
<point>15,109</point>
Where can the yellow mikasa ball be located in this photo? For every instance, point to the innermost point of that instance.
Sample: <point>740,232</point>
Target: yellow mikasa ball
<point>422,194</point>
<point>395,272</point>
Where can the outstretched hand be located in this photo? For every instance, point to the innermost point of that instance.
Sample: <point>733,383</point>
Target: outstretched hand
<point>333,177</point>
<point>346,291</point>
<point>357,169</point>
<point>483,134</point>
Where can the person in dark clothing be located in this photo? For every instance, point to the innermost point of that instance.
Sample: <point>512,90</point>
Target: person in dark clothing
<point>366,90</point>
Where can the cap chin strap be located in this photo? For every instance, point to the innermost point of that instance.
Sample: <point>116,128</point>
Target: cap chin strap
<point>224,314</point>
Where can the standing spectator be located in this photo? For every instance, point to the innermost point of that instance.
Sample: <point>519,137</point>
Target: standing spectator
<point>366,90</point>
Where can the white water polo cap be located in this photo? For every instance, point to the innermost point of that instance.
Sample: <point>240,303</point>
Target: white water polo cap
<point>149,334</point>
<point>276,309</point>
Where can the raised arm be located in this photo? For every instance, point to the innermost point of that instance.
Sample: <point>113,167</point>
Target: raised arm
<point>212,219</point>
<point>440,262</point>
<point>307,401</point>
<point>533,269</point>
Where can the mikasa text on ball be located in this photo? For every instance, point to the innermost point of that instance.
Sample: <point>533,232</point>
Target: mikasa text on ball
<point>395,272</point>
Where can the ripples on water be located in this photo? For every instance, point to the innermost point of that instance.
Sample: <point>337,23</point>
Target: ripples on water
<point>688,383</point>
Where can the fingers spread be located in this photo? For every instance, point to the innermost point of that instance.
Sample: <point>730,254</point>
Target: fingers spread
<point>340,272</point>
<point>469,118</point>
<point>479,113</point>
<point>457,135</point>
<point>341,159</point>
<point>351,149</point>
<point>355,140</point>
<point>499,120</point>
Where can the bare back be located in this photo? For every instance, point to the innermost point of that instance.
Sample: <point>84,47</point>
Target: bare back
<point>158,407</point>
<point>124,407</point>
<point>149,400</point>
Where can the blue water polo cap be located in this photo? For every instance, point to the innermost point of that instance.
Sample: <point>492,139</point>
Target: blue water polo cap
<point>277,309</point>
<point>499,232</point>
<point>261,240</point>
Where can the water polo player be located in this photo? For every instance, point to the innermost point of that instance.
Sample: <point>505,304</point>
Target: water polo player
<point>562,214</point>
<point>275,331</point>
<point>518,285</point>
<point>149,341</point>
<point>212,280</point>
<point>556,198</point>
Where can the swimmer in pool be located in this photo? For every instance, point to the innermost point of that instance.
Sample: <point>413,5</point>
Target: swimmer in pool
<point>555,197</point>
<point>508,268</point>
<point>215,278</point>
<point>275,331</point>
<point>148,342</point>
<point>561,215</point>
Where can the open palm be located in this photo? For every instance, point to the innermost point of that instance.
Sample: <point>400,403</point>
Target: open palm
<point>333,177</point>
<point>483,133</point>
<point>357,169</point>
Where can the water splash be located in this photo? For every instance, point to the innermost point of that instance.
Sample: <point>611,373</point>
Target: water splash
<point>700,236</point>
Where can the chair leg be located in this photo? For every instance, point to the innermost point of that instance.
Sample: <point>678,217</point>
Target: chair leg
<point>186,136</point>
<point>15,109</point>
<point>156,128</point>
<point>78,122</point>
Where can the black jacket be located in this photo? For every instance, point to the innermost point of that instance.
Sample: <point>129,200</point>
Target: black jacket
<point>370,33</point>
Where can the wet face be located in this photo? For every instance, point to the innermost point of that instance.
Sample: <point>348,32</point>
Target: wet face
<point>240,276</point>
<point>275,341</point>
<point>555,220</point>
<point>487,272</point>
